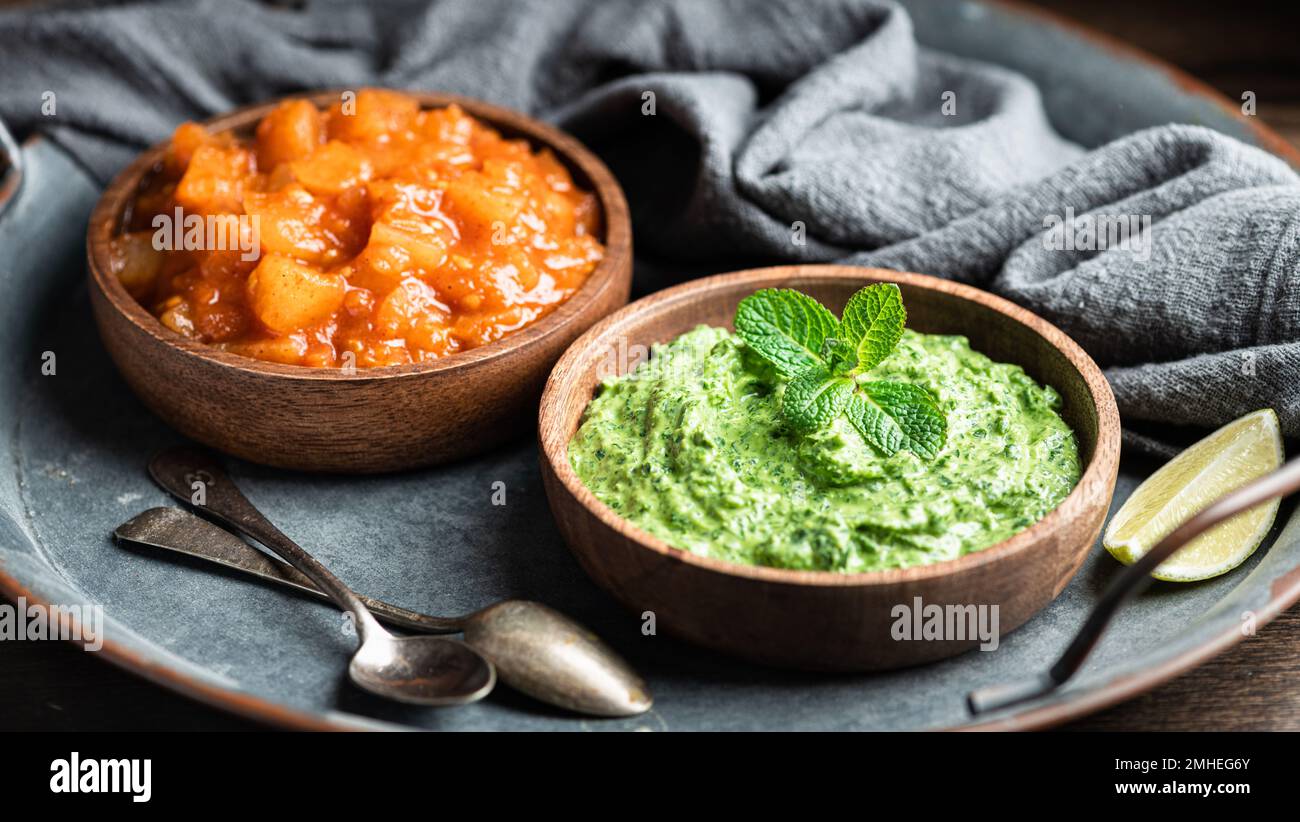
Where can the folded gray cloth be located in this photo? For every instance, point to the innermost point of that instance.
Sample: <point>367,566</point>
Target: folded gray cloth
<point>783,131</point>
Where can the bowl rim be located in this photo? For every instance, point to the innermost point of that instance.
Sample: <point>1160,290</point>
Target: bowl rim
<point>1100,472</point>
<point>105,221</point>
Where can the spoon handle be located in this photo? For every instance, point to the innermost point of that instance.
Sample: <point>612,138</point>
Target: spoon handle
<point>1280,483</point>
<point>184,533</point>
<point>194,477</point>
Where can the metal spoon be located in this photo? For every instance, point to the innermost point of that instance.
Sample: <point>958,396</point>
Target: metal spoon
<point>535,649</point>
<point>423,670</point>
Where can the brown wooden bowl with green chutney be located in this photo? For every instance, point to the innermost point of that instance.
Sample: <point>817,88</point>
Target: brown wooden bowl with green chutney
<point>829,620</point>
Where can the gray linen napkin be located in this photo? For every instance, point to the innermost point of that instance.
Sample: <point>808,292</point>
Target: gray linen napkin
<point>785,130</point>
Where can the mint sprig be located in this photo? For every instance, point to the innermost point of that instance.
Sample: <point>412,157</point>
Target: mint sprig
<point>823,359</point>
<point>786,328</point>
<point>814,398</point>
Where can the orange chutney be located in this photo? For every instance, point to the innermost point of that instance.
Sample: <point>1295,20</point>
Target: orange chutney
<point>370,234</point>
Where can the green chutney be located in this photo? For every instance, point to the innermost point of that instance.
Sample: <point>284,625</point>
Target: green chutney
<point>691,447</point>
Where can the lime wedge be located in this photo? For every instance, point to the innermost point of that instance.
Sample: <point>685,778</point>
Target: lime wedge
<point>1224,461</point>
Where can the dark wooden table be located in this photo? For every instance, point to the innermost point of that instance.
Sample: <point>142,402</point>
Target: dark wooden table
<point>1244,45</point>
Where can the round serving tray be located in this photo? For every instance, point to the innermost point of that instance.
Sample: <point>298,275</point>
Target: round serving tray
<point>75,443</point>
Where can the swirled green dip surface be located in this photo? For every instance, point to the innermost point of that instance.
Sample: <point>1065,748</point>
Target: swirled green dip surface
<point>691,447</point>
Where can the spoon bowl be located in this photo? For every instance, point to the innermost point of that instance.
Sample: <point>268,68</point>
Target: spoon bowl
<point>431,671</point>
<point>554,659</point>
<point>422,670</point>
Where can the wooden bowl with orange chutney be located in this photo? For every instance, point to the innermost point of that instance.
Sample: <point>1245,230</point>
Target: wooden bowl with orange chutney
<point>355,282</point>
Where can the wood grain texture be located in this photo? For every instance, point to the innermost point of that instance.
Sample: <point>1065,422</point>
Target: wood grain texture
<point>379,419</point>
<point>1251,687</point>
<point>825,620</point>
<point>1215,51</point>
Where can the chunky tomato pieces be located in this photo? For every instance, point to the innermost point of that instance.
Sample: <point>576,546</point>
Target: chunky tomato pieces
<point>374,233</point>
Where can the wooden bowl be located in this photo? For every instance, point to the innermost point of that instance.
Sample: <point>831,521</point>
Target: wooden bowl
<point>815,619</point>
<point>378,419</point>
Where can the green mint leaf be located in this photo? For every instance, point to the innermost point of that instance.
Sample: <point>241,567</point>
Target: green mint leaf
<point>819,355</point>
<point>839,357</point>
<point>896,416</point>
<point>873,323</point>
<point>786,328</point>
<point>815,398</point>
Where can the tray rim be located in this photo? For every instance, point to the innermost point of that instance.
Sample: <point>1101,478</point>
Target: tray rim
<point>1283,593</point>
